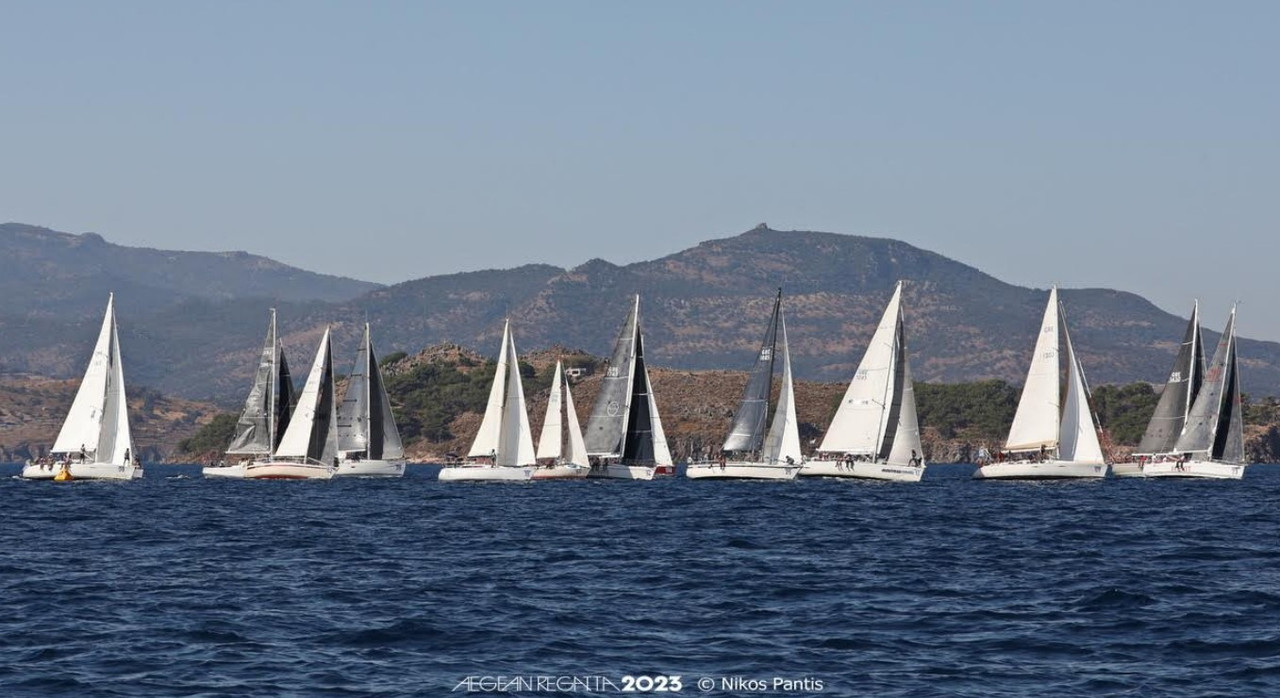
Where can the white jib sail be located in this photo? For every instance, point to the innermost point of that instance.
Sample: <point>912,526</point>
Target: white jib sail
<point>859,423</point>
<point>296,441</point>
<point>783,441</point>
<point>577,445</point>
<point>486,442</point>
<point>906,437</point>
<point>515,439</point>
<point>115,441</point>
<point>1035,424</point>
<point>661,452</point>
<point>551,441</point>
<point>1078,440</point>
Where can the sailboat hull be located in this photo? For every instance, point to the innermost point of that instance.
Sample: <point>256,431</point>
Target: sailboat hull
<point>741,471</point>
<point>370,468</point>
<point>1041,470</point>
<point>235,470</point>
<point>862,470</point>
<point>485,473</point>
<point>561,471</point>
<point>287,470</point>
<point>618,471</point>
<point>84,471</point>
<point>1194,469</point>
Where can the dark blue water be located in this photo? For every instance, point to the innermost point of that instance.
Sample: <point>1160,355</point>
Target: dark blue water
<point>180,586</point>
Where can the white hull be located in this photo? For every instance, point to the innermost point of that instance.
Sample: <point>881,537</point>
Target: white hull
<point>565,471</point>
<point>84,471</point>
<point>1194,468</point>
<point>741,471</point>
<point>286,470</point>
<point>1038,470</point>
<point>862,469</point>
<point>235,470</point>
<point>617,471</point>
<point>486,473</point>
<point>370,468</point>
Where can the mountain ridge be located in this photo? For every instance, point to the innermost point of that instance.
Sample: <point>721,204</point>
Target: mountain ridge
<point>703,308</point>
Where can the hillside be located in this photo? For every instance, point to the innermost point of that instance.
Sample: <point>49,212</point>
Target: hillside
<point>703,308</point>
<point>32,410</point>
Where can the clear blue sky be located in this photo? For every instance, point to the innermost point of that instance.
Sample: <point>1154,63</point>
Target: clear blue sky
<point>1131,145</point>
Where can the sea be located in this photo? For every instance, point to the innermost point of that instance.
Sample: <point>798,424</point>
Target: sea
<point>180,586</point>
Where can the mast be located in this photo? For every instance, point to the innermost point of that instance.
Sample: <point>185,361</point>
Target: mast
<point>748,431</point>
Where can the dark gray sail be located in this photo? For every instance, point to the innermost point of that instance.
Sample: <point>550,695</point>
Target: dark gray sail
<point>1209,423</point>
<point>1228,443</point>
<point>749,423</point>
<point>365,422</point>
<point>266,410</point>
<point>900,376</point>
<point>638,446</point>
<point>1185,379</point>
<point>607,427</point>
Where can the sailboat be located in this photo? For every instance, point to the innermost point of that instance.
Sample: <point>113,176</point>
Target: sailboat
<point>1211,443</point>
<point>562,453</point>
<point>368,441</point>
<point>874,433</point>
<point>624,435</point>
<point>94,442</point>
<point>1050,439</point>
<point>1185,379</point>
<point>309,448</point>
<point>266,411</point>
<point>755,455</point>
<point>503,449</point>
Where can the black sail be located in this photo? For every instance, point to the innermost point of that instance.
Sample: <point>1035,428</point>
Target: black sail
<point>1228,444</point>
<point>638,446</point>
<point>749,423</point>
<point>1185,379</point>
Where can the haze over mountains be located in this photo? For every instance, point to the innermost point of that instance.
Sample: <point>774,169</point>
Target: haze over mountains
<point>192,323</point>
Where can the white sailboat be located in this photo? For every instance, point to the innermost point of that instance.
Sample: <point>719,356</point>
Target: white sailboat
<point>368,441</point>
<point>503,448</point>
<point>874,433</point>
<point>1211,444</point>
<point>624,435</point>
<point>309,448</point>
<point>94,442</point>
<point>562,453</point>
<point>266,411</point>
<point>1050,438</point>
<point>1170,416</point>
<point>756,455</point>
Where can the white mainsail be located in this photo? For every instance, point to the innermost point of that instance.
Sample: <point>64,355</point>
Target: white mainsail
<point>504,430</point>
<point>861,421</point>
<point>1036,422</point>
<point>98,421</point>
<point>312,433</point>
<point>782,445</point>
